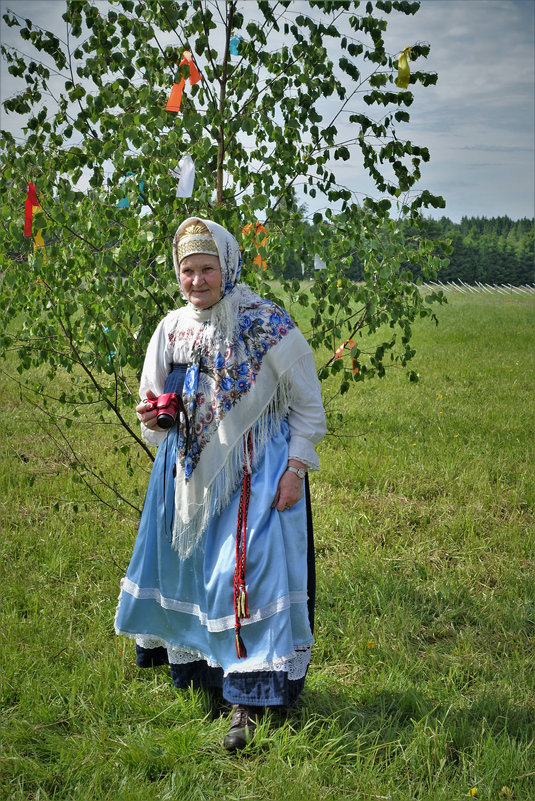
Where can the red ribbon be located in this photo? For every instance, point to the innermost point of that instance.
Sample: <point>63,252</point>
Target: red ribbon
<point>241,599</point>
<point>175,98</point>
<point>340,351</point>
<point>30,203</point>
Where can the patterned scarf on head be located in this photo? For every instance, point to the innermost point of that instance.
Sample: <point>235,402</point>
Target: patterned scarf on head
<point>235,383</point>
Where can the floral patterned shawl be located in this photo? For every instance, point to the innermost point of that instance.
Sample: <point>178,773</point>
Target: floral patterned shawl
<point>237,382</point>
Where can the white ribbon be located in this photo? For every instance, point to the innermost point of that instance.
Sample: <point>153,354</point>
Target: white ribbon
<point>185,172</point>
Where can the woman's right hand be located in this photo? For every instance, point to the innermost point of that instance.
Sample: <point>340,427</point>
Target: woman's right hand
<point>146,415</point>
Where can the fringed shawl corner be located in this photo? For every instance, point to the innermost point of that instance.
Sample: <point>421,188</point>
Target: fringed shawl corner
<point>188,533</point>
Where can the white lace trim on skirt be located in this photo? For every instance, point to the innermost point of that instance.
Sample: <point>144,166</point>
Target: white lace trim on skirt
<point>295,664</point>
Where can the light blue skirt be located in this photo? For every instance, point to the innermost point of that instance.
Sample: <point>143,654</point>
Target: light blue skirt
<point>187,606</point>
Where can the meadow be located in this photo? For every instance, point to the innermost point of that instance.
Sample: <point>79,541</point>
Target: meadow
<point>422,679</point>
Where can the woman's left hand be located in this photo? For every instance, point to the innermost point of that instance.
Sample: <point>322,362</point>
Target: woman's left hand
<point>289,491</point>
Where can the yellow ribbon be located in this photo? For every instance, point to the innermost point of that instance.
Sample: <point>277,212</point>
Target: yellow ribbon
<point>404,72</point>
<point>39,242</point>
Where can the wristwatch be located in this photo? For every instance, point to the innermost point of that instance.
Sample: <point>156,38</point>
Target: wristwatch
<point>299,471</point>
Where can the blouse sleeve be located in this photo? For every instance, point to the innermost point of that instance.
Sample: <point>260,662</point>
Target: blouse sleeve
<point>306,417</point>
<point>156,367</point>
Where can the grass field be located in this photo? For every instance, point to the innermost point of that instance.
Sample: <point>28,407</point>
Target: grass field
<point>422,682</point>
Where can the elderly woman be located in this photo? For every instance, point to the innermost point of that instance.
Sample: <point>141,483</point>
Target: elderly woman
<point>220,584</point>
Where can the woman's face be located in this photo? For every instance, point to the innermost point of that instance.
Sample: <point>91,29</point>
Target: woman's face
<point>200,279</point>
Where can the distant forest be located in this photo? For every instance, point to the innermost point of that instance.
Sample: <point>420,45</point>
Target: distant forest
<point>492,251</point>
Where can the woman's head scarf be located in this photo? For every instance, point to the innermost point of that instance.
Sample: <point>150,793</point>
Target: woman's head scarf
<point>204,236</point>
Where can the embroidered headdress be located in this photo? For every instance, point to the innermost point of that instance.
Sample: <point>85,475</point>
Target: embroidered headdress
<point>194,238</point>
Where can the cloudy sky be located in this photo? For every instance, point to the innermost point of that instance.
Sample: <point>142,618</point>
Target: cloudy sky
<point>478,121</point>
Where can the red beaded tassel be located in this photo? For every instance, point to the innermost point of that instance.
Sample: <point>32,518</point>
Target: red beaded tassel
<point>241,600</point>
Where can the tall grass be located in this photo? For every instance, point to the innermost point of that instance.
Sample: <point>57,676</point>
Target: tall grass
<point>422,679</point>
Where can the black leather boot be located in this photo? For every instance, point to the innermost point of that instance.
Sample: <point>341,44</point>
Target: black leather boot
<point>242,727</point>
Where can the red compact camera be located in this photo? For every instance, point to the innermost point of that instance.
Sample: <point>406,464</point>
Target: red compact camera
<point>167,408</point>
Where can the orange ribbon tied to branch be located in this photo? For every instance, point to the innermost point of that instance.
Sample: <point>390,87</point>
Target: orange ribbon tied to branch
<point>30,204</point>
<point>258,243</point>
<point>175,98</point>
<point>404,73</point>
<point>340,352</point>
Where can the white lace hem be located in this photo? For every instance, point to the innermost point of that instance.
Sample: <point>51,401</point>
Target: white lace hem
<point>295,664</point>
<point>213,624</point>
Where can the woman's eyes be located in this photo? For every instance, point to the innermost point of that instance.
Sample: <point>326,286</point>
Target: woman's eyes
<point>208,269</point>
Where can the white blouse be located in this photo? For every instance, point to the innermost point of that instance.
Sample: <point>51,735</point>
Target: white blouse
<point>306,417</point>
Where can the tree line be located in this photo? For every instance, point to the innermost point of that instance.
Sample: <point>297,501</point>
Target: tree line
<point>492,251</point>
<point>498,250</point>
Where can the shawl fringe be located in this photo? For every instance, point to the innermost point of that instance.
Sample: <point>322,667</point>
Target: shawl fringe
<point>187,535</point>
